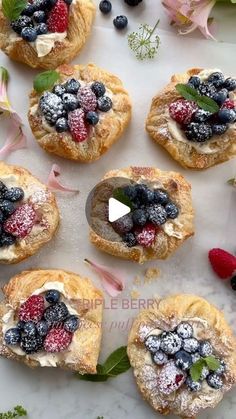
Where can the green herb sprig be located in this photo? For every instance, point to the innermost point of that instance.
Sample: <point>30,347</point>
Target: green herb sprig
<point>117,363</point>
<point>232,181</point>
<point>17,412</point>
<point>196,369</point>
<point>143,42</point>
<point>45,80</point>
<point>204,102</point>
<point>13,8</point>
<point>119,194</point>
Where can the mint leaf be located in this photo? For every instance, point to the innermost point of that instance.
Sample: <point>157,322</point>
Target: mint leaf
<point>4,75</point>
<point>119,194</point>
<point>232,181</point>
<point>196,369</point>
<point>17,412</point>
<point>212,363</point>
<point>207,104</point>
<point>187,92</point>
<point>13,8</point>
<point>45,80</point>
<point>204,102</point>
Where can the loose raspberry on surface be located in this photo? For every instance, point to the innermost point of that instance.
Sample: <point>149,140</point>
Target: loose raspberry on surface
<point>222,262</point>
<point>182,111</point>
<point>21,222</point>
<point>32,309</point>
<point>87,99</point>
<point>145,236</point>
<point>58,18</point>
<point>57,340</point>
<point>228,104</point>
<point>79,128</point>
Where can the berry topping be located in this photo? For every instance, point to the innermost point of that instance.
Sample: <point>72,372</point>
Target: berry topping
<point>160,358</point>
<point>31,344</point>
<point>6,240</point>
<point>58,17</point>
<point>29,34</point>
<point>61,125</point>
<point>170,378</point>
<point>185,330</point>
<point>219,129</point>
<point>30,329</point>
<point>139,217</point>
<point>21,222</point>
<point>104,103</point>
<point>78,126</point>
<point>222,262</point>
<point>194,81</point>
<point>133,2</point>
<point>72,86</point>
<point>205,372</point>
<point>52,296</point>
<point>230,84</point>
<point>221,96</point>
<point>12,336</point>
<point>190,345</point>
<point>28,10</point>
<point>193,385</point>
<point>214,381</point>
<point>170,343</point>
<point>59,90</point>
<point>98,88</point>
<point>145,236</point>
<point>233,283</point>
<point>217,79</point>
<point>201,115</point>
<point>14,194</point>
<point>226,116</point>
<point>183,360</point>
<point>157,214</point>
<point>171,210</point>
<point>21,23</point>
<point>228,104</point>
<point>205,348</point>
<point>70,101</point>
<point>207,89</point>
<point>71,324</point>
<point>56,313</point>
<point>123,224</point>
<point>87,99</point>
<point>160,197</point>
<point>221,369</point>
<point>52,107</point>
<point>57,340</point>
<point>130,239</point>
<point>92,118</point>
<point>120,22</point>
<point>152,343</point>
<point>32,309</point>
<point>41,29</point>
<point>182,111</point>
<point>105,6</point>
<point>39,16</point>
<point>42,328</point>
<point>7,207</point>
<point>198,132</point>
<point>195,357</point>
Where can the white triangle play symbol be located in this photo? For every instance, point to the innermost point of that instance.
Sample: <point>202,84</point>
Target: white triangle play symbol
<point>117,210</point>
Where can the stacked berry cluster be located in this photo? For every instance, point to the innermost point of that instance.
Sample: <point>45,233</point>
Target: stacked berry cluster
<point>176,352</point>
<point>150,210</point>
<point>40,17</point>
<point>44,324</point>
<point>16,219</point>
<point>200,125</point>
<point>71,107</point>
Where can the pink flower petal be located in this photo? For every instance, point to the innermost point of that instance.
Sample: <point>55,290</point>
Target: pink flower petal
<point>112,280</point>
<point>15,141</point>
<point>54,183</point>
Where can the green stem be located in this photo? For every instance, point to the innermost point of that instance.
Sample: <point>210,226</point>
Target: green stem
<point>157,23</point>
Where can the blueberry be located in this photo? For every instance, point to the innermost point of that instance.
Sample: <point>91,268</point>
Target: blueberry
<point>191,345</point>
<point>30,329</point>
<point>160,358</point>
<point>105,6</point>
<point>139,217</point>
<point>62,125</point>
<point>217,79</point>
<point>51,3</point>
<point>230,84</point>
<point>205,348</point>
<point>129,239</point>
<point>14,194</point>
<point>52,296</point>
<point>39,16</point>
<point>42,328</point>
<point>170,343</point>
<point>157,214</point>
<point>3,189</point>
<point>29,34</point>
<point>98,88</point>
<point>171,210</point>
<point>206,89</point>
<point>59,90</point>
<point>193,385</point>
<point>221,96</point>
<point>12,336</point>
<point>194,81</point>
<point>7,207</point>
<point>28,10</point>
<point>130,191</point>
<point>71,324</point>
<point>226,115</point>
<point>133,2</point>
<point>92,118</point>
<point>20,23</point>
<point>123,224</point>
<point>184,330</point>
<point>183,360</point>
<point>204,374</point>
<point>31,344</point>
<point>214,381</point>
<point>120,22</point>
<point>198,132</point>
<point>68,2</point>
<point>195,357</point>
<point>221,369</point>
<point>56,313</point>
<point>7,240</point>
<point>70,101</point>
<point>233,283</point>
<point>41,29</point>
<point>21,325</point>
<point>1,216</point>
<point>41,4</point>
<point>72,86</point>
<point>152,343</point>
<point>104,103</point>
<point>160,197</point>
<point>219,129</point>
<point>147,196</point>
<point>201,115</point>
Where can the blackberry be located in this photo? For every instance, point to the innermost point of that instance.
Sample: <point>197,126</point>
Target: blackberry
<point>184,330</point>
<point>1,217</point>
<point>170,343</point>
<point>72,86</point>
<point>194,81</point>
<point>7,240</point>
<point>30,329</point>
<point>92,118</point>
<point>98,88</point>
<point>51,3</point>
<point>195,357</point>
<point>21,23</point>
<point>104,103</point>
<point>71,324</point>
<point>230,84</point>
<point>171,210</point>
<point>157,214</point>
<point>191,345</point>
<point>28,10</point>
<point>214,381</point>
<point>205,348</point>
<point>31,344</point>
<point>183,360</point>
<point>217,79</point>
<point>206,89</point>
<point>193,385</point>
<point>56,313</point>
<point>130,239</point>
<point>52,296</point>
<point>124,224</point>
<point>139,217</point>
<point>41,4</point>
<point>221,96</point>
<point>70,101</point>
<point>152,343</point>
<point>59,90</point>
<point>3,189</point>
<point>41,29</point>
<point>219,129</point>
<point>147,196</point>
<point>14,194</point>
<point>105,6</point>
<point>62,125</point>
<point>39,16</point>
<point>120,22</point>
<point>201,115</point>
<point>160,197</point>
<point>198,132</point>
<point>42,328</point>
<point>226,116</point>
<point>7,207</point>
<point>29,34</point>
<point>12,336</point>
<point>21,325</point>
<point>52,107</point>
<point>221,369</point>
<point>130,191</point>
<point>160,358</point>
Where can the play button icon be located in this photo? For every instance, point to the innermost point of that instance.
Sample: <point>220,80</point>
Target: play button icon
<point>116,210</point>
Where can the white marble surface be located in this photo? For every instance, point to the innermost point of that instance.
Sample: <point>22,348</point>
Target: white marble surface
<point>54,394</point>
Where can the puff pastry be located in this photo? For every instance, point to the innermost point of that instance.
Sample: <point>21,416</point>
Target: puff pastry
<point>81,298</point>
<point>207,324</point>
<point>111,123</point>
<point>169,236</point>
<point>166,132</point>
<point>39,203</point>
<point>81,17</point>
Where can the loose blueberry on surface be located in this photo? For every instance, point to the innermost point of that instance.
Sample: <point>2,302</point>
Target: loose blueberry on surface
<point>52,296</point>
<point>152,343</point>
<point>92,118</point>
<point>39,16</point>
<point>72,86</point>
<point>194,81</point>
<point>61,125</point>
<point>20,23</point>
<point>56,313</point>
<point>217,79</point>
<point>204,374</point>
<point>14,194</point>
<point>206,89</point>
<point>226,116</point>
<point>221,369</point>
<point>120,22</point>
<point>71,324</point>
<point>157,214</point>
<point>219,129</point>
<point>41,29</point>
<point>193,385</point>
<point>98,88</point>
<point>104,103</point>
<point>205,348</point>
<point>214,381</point>
<point>42,328</point>
<point>221,96</point>
<point>171,210</point>
<point>183,360</point>
<point>31,344</point>
<point>160,358</point>
<point>170,343</point>
<point>59,90</point>
<point>29,34</point>
<point>160,197</point>
<point>139,217</point>
<point>198,132</point>
<point>105,6</point>
<point>7,207</point>
<point>233,283</point>
<point>191,345</point>
<point>30,329</point>
<point>124,224</point>
<point>12,336</point>
<point>184,330</point>
<point>7,240</point>
<point>70,101</point>
<point>230,84</point>
<point>130,239</point>
<point>201,115</point>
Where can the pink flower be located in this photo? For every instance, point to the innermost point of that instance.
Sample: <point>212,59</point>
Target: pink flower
<point>190,14</point>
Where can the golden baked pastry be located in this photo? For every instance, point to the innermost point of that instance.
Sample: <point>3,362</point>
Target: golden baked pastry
<point>161,216</point>
<point>55,47</point>
<point>203,140</point>
<point>108,112</point>
<point>28,213</point>
<point>72,308</point>
<point>175,338</point>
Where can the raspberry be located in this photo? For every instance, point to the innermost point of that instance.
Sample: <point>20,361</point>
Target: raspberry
<point>170,378</point>
<point>228,104</point>
<point>58,17</point>
<point>78,126</point>
<point>145,236</point>
<point>57,340</point>
<point>21,222</point>
<point>87,99</point>
<point>32,309</point>
<point>222,262</point>
<point>182,111</point>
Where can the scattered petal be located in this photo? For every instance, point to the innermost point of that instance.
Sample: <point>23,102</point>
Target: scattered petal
<point>232,181</point>
<point>54,183</point>
<point>112,280</point>
<point>16,140</point>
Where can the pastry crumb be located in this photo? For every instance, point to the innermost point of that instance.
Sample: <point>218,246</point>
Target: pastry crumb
<point>151,274</point>
<point>134,294</point>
